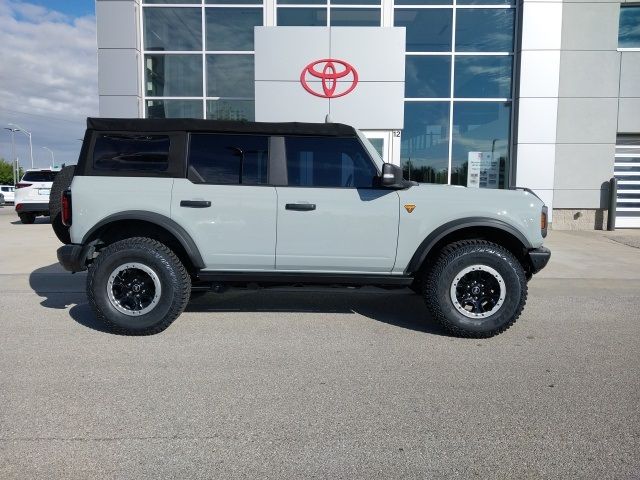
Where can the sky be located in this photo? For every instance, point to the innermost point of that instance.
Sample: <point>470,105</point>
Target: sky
<point>48,77</point>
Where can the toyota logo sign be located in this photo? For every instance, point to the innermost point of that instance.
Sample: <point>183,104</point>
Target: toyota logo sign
<point>337,78</point>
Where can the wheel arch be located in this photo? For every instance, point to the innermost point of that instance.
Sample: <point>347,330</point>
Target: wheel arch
<point>136,223</point>
<point>490,229</point>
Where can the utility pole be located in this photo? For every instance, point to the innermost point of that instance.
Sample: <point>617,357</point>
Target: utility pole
<point>13,155</point>
<point>28,134</point>
<point>53,158</point>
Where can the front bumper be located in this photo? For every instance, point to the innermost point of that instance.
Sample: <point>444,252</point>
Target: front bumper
<point>539,257</point>
<point>73,257</point>
<point>32,207</point>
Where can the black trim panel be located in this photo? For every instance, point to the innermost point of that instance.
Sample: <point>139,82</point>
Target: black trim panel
<point>308,278</point>
<point>165,222</point>
<point>219,126</point>
<point>539,258</point>
<point>195,203</point>
<point>32,207</point>
<point>73,257</point>
<point>448,228</point>
<point>300,207</point>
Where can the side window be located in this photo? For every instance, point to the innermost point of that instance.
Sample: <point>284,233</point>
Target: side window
<point>228,159</point>
<point>328,162</point>
<point>147,153</point>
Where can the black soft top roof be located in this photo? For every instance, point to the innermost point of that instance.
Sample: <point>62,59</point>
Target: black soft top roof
<point>218,126</point>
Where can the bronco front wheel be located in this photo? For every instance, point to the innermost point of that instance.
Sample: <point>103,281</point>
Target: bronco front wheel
<point>476,289</point>
<point>138,286</point>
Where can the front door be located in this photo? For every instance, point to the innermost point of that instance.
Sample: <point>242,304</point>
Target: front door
<point>331,217</point>
<point>226,204</point>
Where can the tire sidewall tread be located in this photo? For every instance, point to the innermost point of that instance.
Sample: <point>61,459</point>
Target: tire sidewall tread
<point>455,257</point>
<point>174,280</point>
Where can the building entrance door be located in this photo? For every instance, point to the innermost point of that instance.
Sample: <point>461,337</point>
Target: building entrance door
<point>386,142</point>
<point>627,171</point>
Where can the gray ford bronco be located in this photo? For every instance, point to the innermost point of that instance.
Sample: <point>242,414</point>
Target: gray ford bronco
<point>159,211</point>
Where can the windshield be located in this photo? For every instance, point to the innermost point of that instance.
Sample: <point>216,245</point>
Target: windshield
<point>371,150</point>
<point>39,176</point>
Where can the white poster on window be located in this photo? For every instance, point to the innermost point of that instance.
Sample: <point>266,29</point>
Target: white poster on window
<point>483,170</point>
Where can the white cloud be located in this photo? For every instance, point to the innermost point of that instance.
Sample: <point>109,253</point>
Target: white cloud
<point>48,78</point>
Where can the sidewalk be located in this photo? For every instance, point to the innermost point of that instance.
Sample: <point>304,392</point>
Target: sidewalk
<point>593,254</point>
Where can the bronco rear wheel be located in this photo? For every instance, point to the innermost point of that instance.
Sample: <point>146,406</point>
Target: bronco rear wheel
<point>475,289</point>
<point>138,286</point>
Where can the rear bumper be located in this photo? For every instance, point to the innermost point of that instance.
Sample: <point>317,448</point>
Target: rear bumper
<point>73,257</point>
<point>25,207</point>
<point>539,257</point>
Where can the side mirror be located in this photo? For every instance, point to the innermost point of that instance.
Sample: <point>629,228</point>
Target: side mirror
<point>391,176</point>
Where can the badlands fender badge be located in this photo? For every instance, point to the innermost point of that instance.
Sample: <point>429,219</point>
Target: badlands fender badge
<point>409,207</point>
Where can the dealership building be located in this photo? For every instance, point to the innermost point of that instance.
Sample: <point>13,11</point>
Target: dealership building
<point>541,94</point>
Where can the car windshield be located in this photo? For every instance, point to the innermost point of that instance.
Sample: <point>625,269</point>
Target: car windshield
<point>39,176</point>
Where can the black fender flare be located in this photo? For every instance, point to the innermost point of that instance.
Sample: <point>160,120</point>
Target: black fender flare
<point>450,227</point>
<point>158,219</point>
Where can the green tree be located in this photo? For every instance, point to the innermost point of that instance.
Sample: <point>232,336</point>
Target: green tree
<point>6,172</point>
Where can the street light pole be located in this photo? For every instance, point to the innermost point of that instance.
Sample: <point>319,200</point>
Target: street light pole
<point>53,158</point>
<point>28,134</point>
<point>13,155</point>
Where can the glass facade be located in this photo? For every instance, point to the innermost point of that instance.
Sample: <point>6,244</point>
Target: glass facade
<point>629,28</point>
<point>199,62</point>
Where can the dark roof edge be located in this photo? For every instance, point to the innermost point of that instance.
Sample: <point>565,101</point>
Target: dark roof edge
<point>219,126</point>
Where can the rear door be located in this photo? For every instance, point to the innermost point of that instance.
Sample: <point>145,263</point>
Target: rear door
<point>331,215</point>
<point>226,203</point>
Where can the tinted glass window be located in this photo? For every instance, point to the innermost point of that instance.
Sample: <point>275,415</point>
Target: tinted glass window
<point>228,159</point>
<point>480,143</point>
<point>629,31</point>
<point>43,176</point>
<point>428,29</point>
<point>174,109</point>
<point>425,142</point>
<point>328,162</point>
<point>355,17</point>
<point>173,75</point>
<point>483,76</point>
<point>232,28</point>
<point>230,76</point>
<point>131,152</point>
<point>172,28</point>
<point>484,30</point>
<point>231,110</point>
<point>311,17</point>
<point>428,76</point>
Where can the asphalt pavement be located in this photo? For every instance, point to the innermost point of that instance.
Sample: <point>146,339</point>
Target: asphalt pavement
<point>322,383</point>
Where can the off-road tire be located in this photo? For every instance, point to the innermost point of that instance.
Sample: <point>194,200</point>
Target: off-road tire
<point>174,280</point>
<point>60,184</point>
<point>451,261</point>
<point>27,218</point>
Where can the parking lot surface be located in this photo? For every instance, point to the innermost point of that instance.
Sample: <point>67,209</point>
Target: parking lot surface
<point>322,383</point>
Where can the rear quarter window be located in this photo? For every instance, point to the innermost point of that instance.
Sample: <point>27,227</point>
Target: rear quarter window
<point>131,153</point>
<point>43,176</point>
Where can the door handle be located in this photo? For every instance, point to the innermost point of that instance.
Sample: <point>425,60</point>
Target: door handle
<point>195,203</point>
<point>300,207</point>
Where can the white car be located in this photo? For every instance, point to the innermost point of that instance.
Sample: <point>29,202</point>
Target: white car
<point>1,199</point>
<point>7,191</point>
<point>32,193</point>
